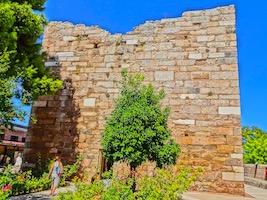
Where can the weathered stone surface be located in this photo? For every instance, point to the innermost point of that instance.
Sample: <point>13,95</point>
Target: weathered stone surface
<point>229,110</point>
<point>184,121</point>
<point>164,76</point>
<point>40,104</point>
<point>193,58</point>
<point>232,176</point>
<point>89,102</point>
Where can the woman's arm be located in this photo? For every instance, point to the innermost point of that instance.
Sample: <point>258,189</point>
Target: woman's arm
<point>61,165</point>
<point>51,169</point>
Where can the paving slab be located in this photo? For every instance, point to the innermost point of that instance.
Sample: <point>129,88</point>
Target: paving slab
<point>43,195</point>
<point>258,193</point>
<point>252,193</point>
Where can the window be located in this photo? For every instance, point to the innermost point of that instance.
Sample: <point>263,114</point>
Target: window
<point>23,139</point>
<point>14,138</point>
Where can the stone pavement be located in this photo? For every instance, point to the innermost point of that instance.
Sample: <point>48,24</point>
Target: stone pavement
<point>253,193</point>
<point>43,195</point>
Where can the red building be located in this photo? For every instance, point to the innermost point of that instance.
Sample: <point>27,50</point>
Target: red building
<point>13,142</point>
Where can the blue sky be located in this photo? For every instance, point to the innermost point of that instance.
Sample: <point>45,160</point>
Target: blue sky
<point>121,16</point>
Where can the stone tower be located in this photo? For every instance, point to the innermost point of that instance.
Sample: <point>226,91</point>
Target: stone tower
<point>193,58</point>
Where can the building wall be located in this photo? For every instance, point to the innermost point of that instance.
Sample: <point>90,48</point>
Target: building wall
<point>18,132</point>
<point>193,58</point>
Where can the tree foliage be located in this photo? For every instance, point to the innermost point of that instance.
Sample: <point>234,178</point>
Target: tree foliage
<point>255,145</point>
<point>21,57</point>
<point>137,129</point>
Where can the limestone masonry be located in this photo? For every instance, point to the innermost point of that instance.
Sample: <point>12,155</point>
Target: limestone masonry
<point>193,58</point>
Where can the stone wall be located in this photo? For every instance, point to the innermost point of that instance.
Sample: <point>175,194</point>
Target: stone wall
<point>253,172</point>
<point>193,58</point>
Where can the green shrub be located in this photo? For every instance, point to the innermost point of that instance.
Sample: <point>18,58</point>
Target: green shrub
<point>167,184</point>
<point>84,192</point>
<point>164,185</point>
<point>70,170</point>
<point>255,145</point>
<point>121,189</point>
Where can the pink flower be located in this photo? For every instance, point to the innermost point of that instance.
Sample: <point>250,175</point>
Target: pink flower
<point>5,188</point>
<point>119,188</point>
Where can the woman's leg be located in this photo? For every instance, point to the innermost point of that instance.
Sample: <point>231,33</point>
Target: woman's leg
<point>53,190</point>
<point>55,185</point>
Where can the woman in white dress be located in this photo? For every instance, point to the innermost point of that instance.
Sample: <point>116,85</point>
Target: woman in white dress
<point>55,170</point>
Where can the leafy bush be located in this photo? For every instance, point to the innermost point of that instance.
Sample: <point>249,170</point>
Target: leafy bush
<point>70,170</point>
<point>166,184</point>
<point>121,188</point>
<point>255,145</point>
<point>22,183</point>
<point>84,192</point>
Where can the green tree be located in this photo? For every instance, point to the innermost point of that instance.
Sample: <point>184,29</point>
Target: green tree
<point>255,145</point>
<point>21,57</point>
<point>137,129</point>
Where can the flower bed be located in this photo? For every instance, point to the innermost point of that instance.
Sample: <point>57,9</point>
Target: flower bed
<point>26,182</point>
<point>165,184</point>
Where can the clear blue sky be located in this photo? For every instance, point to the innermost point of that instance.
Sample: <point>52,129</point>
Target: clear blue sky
<point>121,16</point>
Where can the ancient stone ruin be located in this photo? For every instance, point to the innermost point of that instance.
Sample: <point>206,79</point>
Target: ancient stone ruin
<point>193,58</point>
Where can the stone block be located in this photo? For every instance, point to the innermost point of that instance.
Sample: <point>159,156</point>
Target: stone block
<point>39,103</point>
<point>205,38</point>
<point>51,64</point>
<point>131,42</point>
<point>234,155</point>
<point>232,176</point>
<point>217,141</point>
<point>90,102</point>
<point>200,75</point>
<point>225,148</point>
<point>88,113</point>
<point>229,111</point>
<point>200,19</point>
<point>65,54</point>
<point>165,46</point>
<point>76,58</point>
<point>234,162</point>
<point>69,38</point>
<point>171,30</point>
<point>185,121</point>
<point>227,23</point>
<point>224,75</point>
<point>238,169</point>
<point>197,56</point>
<point>222,130</point>
<point>72,68</point>
<point>216,55</point>
<point>168,20</point>
<point>164,75</point>
<point>188,96</point>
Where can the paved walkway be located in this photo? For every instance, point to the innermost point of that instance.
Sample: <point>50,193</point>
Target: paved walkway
<point>253,193</point>
<point>43,195</point>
